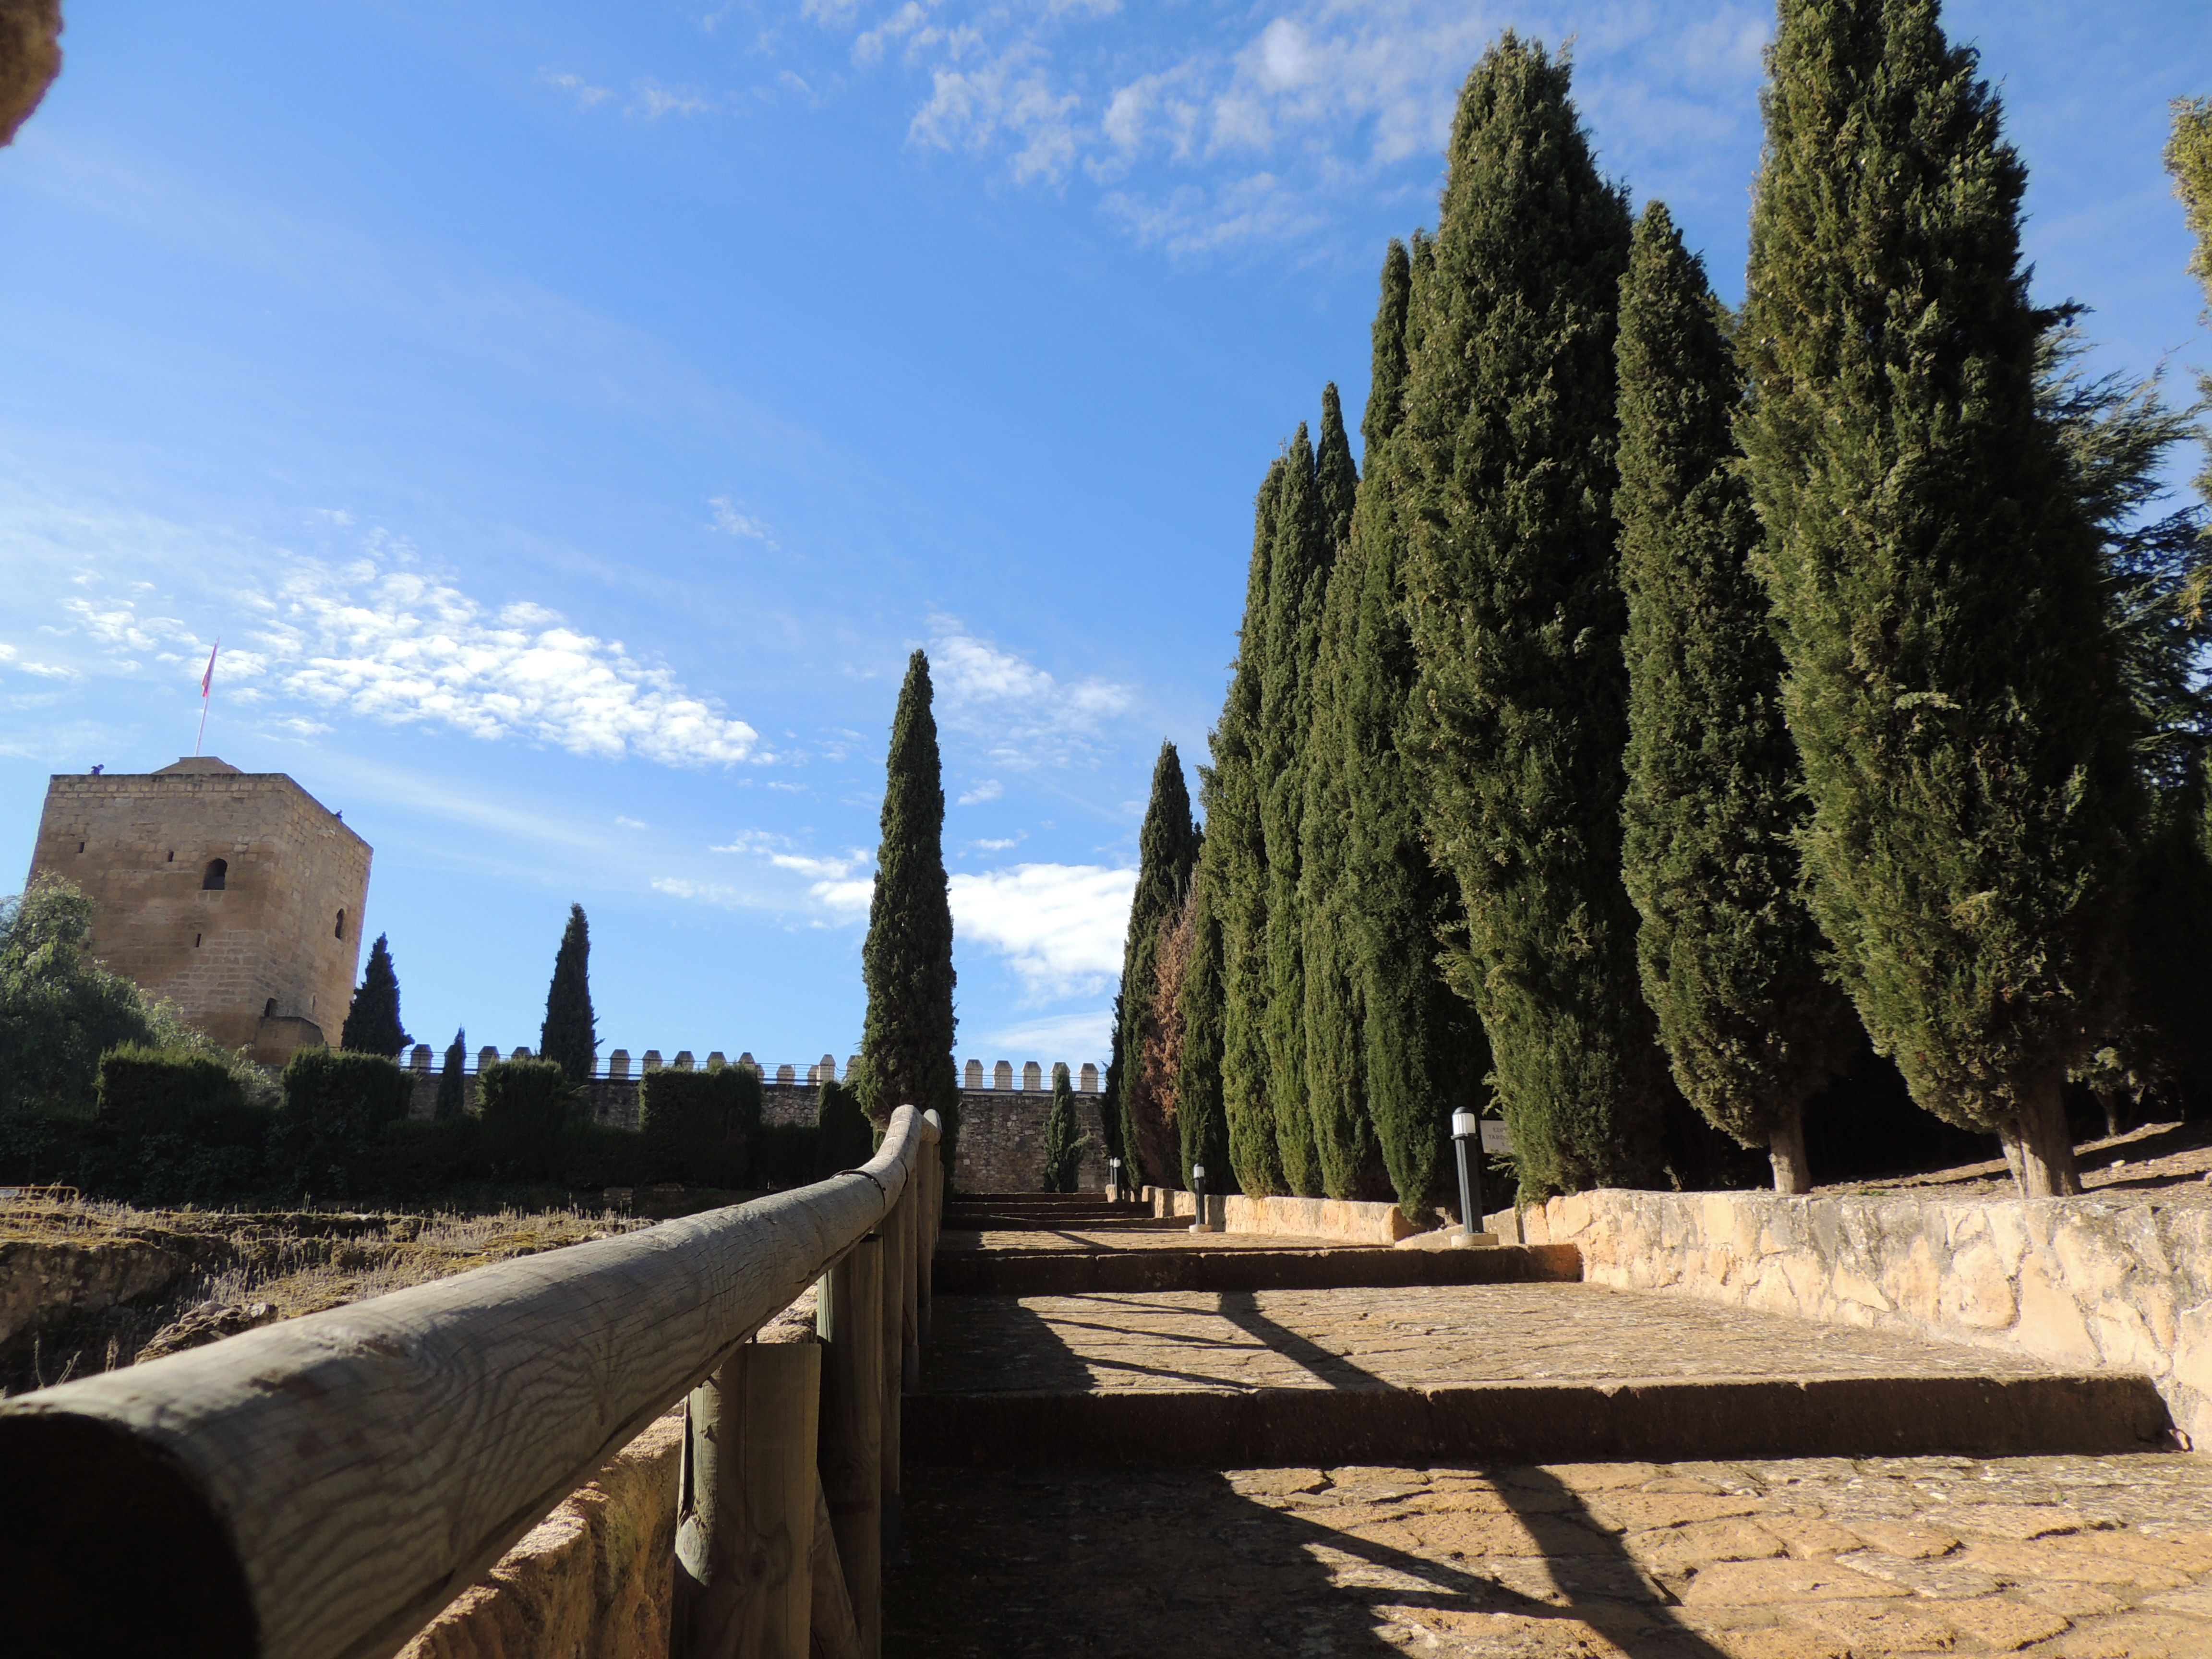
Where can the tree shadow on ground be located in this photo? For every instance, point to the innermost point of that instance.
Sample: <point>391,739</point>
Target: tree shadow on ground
<point>1009,1564</point>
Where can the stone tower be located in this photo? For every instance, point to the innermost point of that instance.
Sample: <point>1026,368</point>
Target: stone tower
<point>236,895</point>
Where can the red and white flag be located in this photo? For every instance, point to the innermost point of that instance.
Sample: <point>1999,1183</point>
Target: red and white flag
<point>207,680</point>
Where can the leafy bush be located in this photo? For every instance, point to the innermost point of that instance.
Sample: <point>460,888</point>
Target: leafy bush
<point>526,1105</point>
<point>846,1139</point>
<point>787,1154</point>
<point>145,1091</point>
<point>337,1107</point>
<point>59,1009</point>
<point>700,1127</point>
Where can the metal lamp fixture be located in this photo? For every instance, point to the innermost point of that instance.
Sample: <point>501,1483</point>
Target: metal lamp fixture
<point>1198,1192</point>
<point>1466,1129</point>
<point>1114,1179</point>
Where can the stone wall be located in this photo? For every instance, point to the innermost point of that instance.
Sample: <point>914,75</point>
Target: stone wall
<point>594,1580</point>
<point>2083,1283</point>
<point>264,955</point>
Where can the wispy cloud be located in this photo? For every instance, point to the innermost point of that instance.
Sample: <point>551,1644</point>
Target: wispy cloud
<point>575,85</point>
<point>1273,121</point>
<point>1024,715</point>
<point>839,885</point>
<point>989,789</point>
<point>729,520</point>
<point>1060,926</point>
<point>1073,1037</point>
<point>402,648</point>
<point>657,100</point>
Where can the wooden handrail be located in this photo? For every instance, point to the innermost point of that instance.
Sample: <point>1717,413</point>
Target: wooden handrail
<point>318,1489</point>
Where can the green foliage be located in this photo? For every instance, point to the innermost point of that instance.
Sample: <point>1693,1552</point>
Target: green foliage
<point>372,1024</point>
<point>1063,1143</point>
<point>1731,958</point>
<point>452,1100</point>
<point>1167,851</point>
<point>1297,585</point>
<point>846,1138</point>
<point>906,1045</point>
<point>570,1035</point>
<point>1201,1125</point>
<point>1348,1161</point>
<point>1935,576</point>
<point>338,1106</point>
<point>59,1009</point>
<point>1235,865</point>
<point>2189,159</point>
<point>1505,472</point>
<point>147,1090</point>
<point>699,1127</point>
<point>1416,1050</point>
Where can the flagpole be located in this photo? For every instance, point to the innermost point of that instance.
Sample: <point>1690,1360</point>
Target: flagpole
<point>207,686</point>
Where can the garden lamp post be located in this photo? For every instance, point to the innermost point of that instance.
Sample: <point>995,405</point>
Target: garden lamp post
<point>1466,1130</point>
<point>1198,1192</point>
<point>1114,1180</point>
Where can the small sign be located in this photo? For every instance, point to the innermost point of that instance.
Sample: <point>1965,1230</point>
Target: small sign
<point>1494,1137</point>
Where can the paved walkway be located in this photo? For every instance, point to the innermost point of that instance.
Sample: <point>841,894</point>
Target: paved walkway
<point>1285,1472</point>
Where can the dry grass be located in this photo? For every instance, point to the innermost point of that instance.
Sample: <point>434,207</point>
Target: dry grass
<point>253,1268</point>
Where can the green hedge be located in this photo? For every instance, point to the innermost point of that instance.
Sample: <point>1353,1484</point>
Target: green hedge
<point>700,1128</point>
<point>144,1090</point>
<point>525,1106</point>
<point>338,1107</point>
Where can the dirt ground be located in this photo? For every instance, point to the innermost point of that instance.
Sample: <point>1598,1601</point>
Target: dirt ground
<point>2170,1162</point>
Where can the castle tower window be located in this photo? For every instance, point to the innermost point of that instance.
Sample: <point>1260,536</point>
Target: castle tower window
<point>196,941</point>
<point>171,859</point>
<point>269,1009</point>
<point>218,873</point>
<point>340,931</point>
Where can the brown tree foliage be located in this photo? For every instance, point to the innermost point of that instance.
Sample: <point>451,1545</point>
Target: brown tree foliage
<point>1152,1102</point>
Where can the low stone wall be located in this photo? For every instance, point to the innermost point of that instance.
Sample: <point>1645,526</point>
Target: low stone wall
<point>594,1580</point>
<point>1001,1147</point>
<point>1346,1221</point>
<point>2082,1283</point>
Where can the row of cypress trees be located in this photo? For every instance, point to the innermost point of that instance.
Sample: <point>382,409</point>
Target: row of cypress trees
<point>1681,700</point>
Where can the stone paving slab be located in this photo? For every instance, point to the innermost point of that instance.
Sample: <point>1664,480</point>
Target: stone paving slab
<point>1201,1268</point>
<point>2075,1557</point>
<point>1144,1235</point>
<point>1237,1341</point>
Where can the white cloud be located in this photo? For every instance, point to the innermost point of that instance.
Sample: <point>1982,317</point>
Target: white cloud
<point>989,789</point>
<point>1075,1038</point>
<point>630,824</point>
<point>575,85</point>
<point>730,521</point>
<point>1060,925</point>
<point>999,844</point>
<point>659,100</point>
<point>1022,714</point>
<point>831,869</point>
<point>846,901</point>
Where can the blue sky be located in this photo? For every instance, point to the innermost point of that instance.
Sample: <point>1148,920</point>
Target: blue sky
<point>570,417</point>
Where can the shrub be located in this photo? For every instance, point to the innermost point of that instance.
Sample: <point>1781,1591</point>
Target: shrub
<point>699,1127</point>
<point>336,1107</point>
<point>147,1090</point>
<point>844,1138</point>
<point>787,1154</point>
<point>524,1105</point>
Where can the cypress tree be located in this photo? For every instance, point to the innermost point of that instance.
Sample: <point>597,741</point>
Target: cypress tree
<point>1298,584</point>
<point>570,1035</point>
<point>1201,1124</point>
<point>1063,1144</point>
<point>372,1024</point>
<point>1420,1049</point>
<point>1349,1163</point>
<point>1236,859</point>
<point>1167,849</point>
<point>906,1045</point>
<point>2189,159</point>
<point>1731,957</point>
<point>452,1086</point>
<point>1935,576</point>
<point>1506,458</point>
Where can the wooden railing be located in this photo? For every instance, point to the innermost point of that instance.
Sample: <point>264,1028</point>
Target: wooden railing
<point>319,1489</point>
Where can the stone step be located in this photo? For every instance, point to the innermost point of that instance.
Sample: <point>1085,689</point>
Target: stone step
<point>1530,1372</point>
<point>1078,1270</point>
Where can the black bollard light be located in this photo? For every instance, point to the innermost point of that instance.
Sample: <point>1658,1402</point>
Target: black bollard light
<point>1467,1134</point>
<point>1198,1191</point>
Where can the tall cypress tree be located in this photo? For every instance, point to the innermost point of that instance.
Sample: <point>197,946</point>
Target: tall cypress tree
<point>1063,1141</point>
<point>372,1024</point>
<point>1349,1163</point>
<point>570,1035</point>
<point>1420,1048</point>
<point>2189,159</point>
<point>1506,454</point>
<point>1731,956</point>
<point>1298,584</point>
<point>453,1099</point>
<point>1167,849</point>
<point>1201,1125</point>
<point>906,1044</point>
<point>1236,858</point>
<point>1934,574</point>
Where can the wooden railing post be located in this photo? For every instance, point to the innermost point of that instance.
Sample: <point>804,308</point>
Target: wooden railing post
<point>916,1246</point>
<point>745,1533</point>
<point>932,1206</point>
<point>897,1247</point>
<point>848,1315</point>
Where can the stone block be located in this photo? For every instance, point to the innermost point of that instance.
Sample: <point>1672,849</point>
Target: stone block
<point>1978,1292</point>
<point>2051,1324</point>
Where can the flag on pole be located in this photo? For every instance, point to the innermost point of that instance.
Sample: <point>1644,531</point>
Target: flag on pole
<point>207,685</point>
